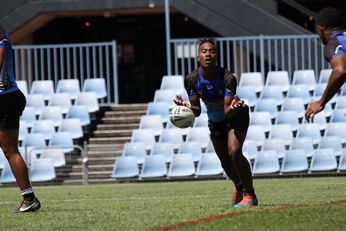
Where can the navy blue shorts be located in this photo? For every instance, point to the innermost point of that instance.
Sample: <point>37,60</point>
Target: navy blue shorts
<point>240,122</point>
<point>11,108</point>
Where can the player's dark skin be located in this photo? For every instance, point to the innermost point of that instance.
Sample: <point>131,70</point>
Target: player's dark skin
<point>229,148</point>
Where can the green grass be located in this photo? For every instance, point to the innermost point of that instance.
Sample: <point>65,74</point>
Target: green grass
<point>141,206</point>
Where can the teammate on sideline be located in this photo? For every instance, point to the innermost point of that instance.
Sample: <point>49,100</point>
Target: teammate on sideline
<point>329,28</point>
<point>12,104</point>
<point>228,118</point>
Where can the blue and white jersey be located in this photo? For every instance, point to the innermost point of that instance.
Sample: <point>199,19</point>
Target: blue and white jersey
<point>7,63</point>
<point>335,46</point>
<point>212,92</point>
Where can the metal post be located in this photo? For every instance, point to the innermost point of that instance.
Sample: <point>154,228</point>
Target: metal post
<point>115,72</point>
<point>168,38</point>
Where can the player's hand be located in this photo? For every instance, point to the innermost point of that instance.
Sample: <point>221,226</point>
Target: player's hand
<point>313,108</point>
<point>181,102</point>
<point>236,102</point>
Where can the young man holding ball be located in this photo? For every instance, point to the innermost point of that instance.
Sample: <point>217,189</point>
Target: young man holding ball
<point>228,118</point>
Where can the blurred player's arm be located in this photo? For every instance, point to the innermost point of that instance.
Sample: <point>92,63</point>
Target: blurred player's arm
<point>231,105</point>
<point>194,104</point>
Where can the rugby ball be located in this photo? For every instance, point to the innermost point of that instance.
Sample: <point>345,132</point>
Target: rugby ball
<point>182,117</point>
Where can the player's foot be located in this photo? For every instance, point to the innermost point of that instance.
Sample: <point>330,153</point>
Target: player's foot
<point>28,206</point>
<point>248,200</point>
<point>237,197</point>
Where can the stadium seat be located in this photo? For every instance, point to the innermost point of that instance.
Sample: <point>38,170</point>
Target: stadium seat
<point>2,159</point>
<point>52,113</point>
<point>43,126</point>
<point>181,166</point>
<point>324,75</point>
<point>253,79</point>
<point>305,143</point>
<point>318,92</point>
<point>272,92</point>
<point>278,78</point>
<point>191,147</point>
<point>6,174</point>
<point>135,149</point>
<point>323,159</point>
<point>163,148</point>
<point>309,130</point>
<point>172,82</point>
<point>250,149</point>
<point>167,95</point>
<point>200,135</point>
<point>62,139</point>
<point>294,104</point>
<point>34,143</point>
<point>320,119</point>
<point>151,122</point>
<point>72,126</point>
<point>277,145</point>
<point>69,86</point>
<point>209,165</point>
<point>171,135</point>
<point>210,147</point>
<point>267,105</point>
<point>61,100</point>
<point>338,115</point>
<point>97,85</point>
<point>35,101</point>
<point>42,170</point>
<point>294,161</point>
<point>125,167</point>
<point>342,161</point>
<point>256,133</point>
<point>336,129</point>
<point>79,112</point>
<point>159,108</point>
<point>340,102</point>
<point>248,94</point>
<point>42,87</point>
<point>283,132</point>
<point>23,86</point>
<point>266,162</point>
<point>342,91</point>
<point>28,116</point>
<point>154,166</point>
<point>201,121</point>
<point>182,131</point>
<point>23,130</point>
<point>333,142</point>
<point>305,77</point>
<point>89,100</point>
<point>144,135</point>
<point>261,118</point>
<point>56,154</point>
<point>288,117</point>
<point>299,91</point>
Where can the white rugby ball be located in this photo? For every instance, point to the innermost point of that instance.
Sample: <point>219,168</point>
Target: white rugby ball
<point>182,117</point>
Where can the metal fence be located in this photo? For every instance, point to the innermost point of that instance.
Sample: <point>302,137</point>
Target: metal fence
<point>254,54</point>
<point>69,61</point>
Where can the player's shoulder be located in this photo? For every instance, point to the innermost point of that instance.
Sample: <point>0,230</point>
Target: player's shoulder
<point>228,75</point>
<point>335,46</point>
<point>191,78</point>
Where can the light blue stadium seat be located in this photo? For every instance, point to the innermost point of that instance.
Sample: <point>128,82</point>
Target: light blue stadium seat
<point>28,116</point>
<point>172,82</point>
<point>266,162</point>
<point>323,159</point>
<point>6,174</point>
<point>154,166</point>
<point>69,86</point>
<point>135,149</point>
<point>79,112</point>
<point>182,165</point>
<point>2,159</point>
<point>256,133</point>
<point>163,148</point>
<point>210,147</point>
<point>272,92</point>
<point>201,121</point>
<point>267,105</point>
<point>261,118</point>
<point>42,87</point>
<point>338,115</point>
<point>283,132</point>
<point>159,108</point>
<point>294,161</point>
<point>171,135</point>
<point>125,167</point>
<point>151,122</point>
<point>336,129</point>
<point>309,130</point>
<point>248,94</point>
<point>23,130</point>
<point>305,77</point>
<point>43,126</point>
<point>254,79</point>
<point>294,104</point>
<point>62,139</point>
<point>342,161</point>
<point>278,78</point>
<point>52,113</point>
<point>144,135</point>
<point>200,135</point>
<point>305,143</point>
<point>340,102</point>
<point>319,90</point>
<point>35,101</point>
<point>191,147</point>
<point>288,117</point>
<point>320,119</point>
<point>276,145</point>
<point>250,149</point>
<point>333,142</point>
<point>88,99</point>
<point>183,131</point>
<point>324,75</point>
<point>167,95</point>
<point>299,91</point>
<point>72,126</point>
<point>23,86</point>
<point>209,165</point>
<point>42,170</point>
<point>56,154</point>
<point>342,91</point>
<point>97,85</point>
<point>61,100</point>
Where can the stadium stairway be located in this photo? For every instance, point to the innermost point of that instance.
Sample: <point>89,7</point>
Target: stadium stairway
<point>112,130</point>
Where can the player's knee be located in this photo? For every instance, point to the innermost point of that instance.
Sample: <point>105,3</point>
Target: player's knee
<point>234,153</point>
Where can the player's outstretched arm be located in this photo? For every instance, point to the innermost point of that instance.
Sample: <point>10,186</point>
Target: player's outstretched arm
<point>231,105</point>
<point>194,104</point>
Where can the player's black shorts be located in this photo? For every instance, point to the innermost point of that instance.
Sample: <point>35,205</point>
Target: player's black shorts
<point>240,122</point>
<point>11,108</point>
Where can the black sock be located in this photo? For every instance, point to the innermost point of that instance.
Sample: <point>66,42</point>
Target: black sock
<point>239,187</point>
<point>251,192</point>
<point>28,194</point>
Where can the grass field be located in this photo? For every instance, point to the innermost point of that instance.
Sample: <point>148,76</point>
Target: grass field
<point>285,204</point>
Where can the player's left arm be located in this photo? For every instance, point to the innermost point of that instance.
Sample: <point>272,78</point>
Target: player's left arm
<point>336,79</point>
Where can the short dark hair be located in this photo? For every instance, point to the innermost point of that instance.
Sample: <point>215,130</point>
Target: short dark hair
<point>206,40</point>
<point>329,18</point>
